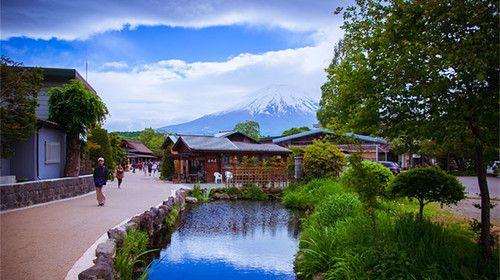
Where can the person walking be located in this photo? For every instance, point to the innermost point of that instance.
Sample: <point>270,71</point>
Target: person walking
<point>150,167</point>
<point>155,168</point>
<point>145,168</point>
<point>133,167</point>
<point>119,174</point>
<point>100,177</point>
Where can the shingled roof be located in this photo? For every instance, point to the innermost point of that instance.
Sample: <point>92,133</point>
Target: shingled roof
<point>214,143</point>
<point>136,147</point>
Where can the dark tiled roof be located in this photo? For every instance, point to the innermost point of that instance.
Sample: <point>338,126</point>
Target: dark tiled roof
<point>136,146</point>
<point>211,143</point>
<point>252,147</point>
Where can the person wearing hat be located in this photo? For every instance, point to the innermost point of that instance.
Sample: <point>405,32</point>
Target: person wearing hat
<point>100,178</point>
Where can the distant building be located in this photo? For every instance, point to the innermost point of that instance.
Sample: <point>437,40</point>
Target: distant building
<point>371,148</point>
<point>198,157</point>
<point>135,151</point>
<point>43,154</point>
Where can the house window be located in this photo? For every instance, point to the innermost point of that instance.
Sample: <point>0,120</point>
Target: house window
<point>226,160</point>
<point>52,152</point>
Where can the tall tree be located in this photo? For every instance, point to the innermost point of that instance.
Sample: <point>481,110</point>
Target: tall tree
<point>100,146</point>
<point>295,130</point>
<point>167,168</point>
<point>19,99</point>
<point>422,69</point>
<point>153,140</point>
<point>118,152</point>
<point>249,128</point>
<point>78,110</point>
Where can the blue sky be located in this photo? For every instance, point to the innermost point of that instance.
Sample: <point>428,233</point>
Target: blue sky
<point>156,63</point>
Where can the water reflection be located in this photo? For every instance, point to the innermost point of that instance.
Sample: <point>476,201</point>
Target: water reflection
<point>231,240</point>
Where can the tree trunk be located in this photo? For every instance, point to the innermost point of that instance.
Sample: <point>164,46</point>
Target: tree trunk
<point>72,167</point>
<point>421,211</point>
<point>484,193</point>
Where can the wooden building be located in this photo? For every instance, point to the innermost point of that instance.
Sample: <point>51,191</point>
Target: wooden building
<point>371,148</point>
<point>135,151</point>
<point>198,157</point>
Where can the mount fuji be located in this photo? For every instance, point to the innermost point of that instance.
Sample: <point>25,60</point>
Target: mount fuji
<point>275,107</point>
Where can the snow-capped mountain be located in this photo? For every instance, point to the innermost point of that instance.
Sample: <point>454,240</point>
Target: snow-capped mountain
<point>275,107</point>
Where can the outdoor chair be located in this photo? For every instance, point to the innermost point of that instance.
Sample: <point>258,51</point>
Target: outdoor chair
<point>218,177</point>
<point>229,177</point>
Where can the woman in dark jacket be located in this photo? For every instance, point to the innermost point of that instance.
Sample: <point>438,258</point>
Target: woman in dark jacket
<point>100,178</point>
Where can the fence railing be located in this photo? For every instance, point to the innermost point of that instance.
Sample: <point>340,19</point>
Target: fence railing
<point>260,175</point>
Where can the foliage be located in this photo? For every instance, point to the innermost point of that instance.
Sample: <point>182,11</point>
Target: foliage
<point>75,107</point>
<point>19,98</point>
<point>199,194</point>
<point>369,179</point>
<point>172,218</point>
<point>336,207</point>
<point>427,184</point>
<point>133,135</point>
<point>390,76</point>
<point>130,254</point>
<point>253,192</point>
<point>307,196</point>
<point>249,128</point>
<point>117,152</point>
<point>295,130</point>
<point>99,146</point>
<point>322,159</point>
<point>167,168</point>
<point>153,140</point>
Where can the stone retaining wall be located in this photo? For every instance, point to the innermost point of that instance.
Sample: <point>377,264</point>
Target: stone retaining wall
<point>151,221</point>
<point>29,193</point>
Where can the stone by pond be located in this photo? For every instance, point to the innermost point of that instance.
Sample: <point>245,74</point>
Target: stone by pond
<point>231,240</point>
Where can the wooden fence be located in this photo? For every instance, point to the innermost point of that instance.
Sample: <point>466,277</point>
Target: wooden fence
<point>260,175</point>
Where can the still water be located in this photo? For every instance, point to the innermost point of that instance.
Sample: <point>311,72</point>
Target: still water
<point>231,240</point>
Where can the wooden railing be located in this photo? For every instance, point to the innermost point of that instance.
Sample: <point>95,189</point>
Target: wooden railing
<point>260,175</point>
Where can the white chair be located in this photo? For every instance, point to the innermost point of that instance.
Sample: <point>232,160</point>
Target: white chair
<point>218,177</point>
<point>229,176</point>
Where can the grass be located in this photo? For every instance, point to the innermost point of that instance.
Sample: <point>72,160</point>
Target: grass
<point>340,241</point>
<point>307,196</point>
<point>172,217</point>
<point>199,194</point>
<point>247,192</point>
<point>131,254</point>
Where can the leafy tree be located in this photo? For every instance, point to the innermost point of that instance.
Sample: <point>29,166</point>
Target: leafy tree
<point>152,139</point>
<point>19,99</point>
<point>369,179</point>
<point>118,152</point>
<point>249,128</point>
<point>99,146</point>
<point>78,110</point>
<point>322,159</point>
<point>295,130</point>
<point>427,184</point>
<point>167,168</point>
<point>426,70</point>
<point>134,135</point>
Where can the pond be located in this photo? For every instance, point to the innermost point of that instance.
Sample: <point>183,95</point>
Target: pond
<point>231,240</point>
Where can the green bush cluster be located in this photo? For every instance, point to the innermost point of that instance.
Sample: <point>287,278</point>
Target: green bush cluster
<point>172,217</point>
<point>248,191</point>
<point>131,254</point>
<point>322,159</point>
<point>307,196</point>
<point>199,194</point>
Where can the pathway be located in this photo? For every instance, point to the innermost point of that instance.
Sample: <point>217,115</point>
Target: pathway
<point>44,242</point>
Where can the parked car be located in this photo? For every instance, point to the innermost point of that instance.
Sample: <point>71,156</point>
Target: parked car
<point>493,169</point>
<point>394,167</point>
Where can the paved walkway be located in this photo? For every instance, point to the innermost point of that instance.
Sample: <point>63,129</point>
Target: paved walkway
<point>44,242</point>
<point>472,186</point>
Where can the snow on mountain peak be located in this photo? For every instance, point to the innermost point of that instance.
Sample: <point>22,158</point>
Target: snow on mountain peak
<point>278,99</point>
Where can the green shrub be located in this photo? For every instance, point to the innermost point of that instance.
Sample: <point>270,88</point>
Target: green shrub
<point>199,194</point>
<point>253,192</point>
<point>427,184</point>
<point>322,159</point>
<point>369,179</point>
<point>130,255</point>
<point>308,195</point>
<point>336,207</point>
<point>172,217</point>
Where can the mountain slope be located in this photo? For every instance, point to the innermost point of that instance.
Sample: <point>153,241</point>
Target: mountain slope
<point>276,108</point>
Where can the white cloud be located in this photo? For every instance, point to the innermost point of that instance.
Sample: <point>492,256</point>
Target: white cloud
<point>172,91</point>
<point>115,65</point>
<point>79,19</point>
